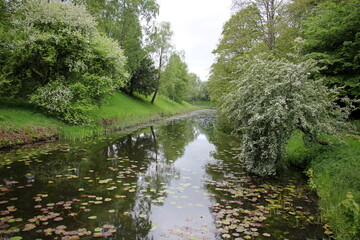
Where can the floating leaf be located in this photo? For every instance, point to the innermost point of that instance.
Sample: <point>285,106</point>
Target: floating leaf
<point>58,219</point>
<point>225,235</point>
<point>16,238</point>
<point>97,235</point>
<point>153,227</point>
<point>92,217</point>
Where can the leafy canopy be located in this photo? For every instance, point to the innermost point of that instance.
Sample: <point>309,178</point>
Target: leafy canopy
<point>174,80</point>
<point>333,38</point>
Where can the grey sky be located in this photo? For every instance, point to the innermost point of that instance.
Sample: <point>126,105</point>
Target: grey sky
<point>197,26</point>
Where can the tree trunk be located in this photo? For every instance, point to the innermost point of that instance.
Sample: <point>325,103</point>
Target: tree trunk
<point>154,96</point>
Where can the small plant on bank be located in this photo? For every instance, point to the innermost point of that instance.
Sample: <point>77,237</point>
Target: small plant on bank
<point>351,213</point>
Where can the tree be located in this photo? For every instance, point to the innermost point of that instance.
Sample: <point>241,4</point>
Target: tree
<point>61,60</point>
<point>268,18</point>
<point>175,78</point>
<point>333,38</point>
<point>159,46</point>
<point>144,79</point>
<point>121,20</point>
<point>194,87</point>
<point>272,98</point>
<point>241,36</point>
<point>254,28</point>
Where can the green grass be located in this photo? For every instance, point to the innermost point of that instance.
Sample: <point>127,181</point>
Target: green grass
<point>204,104</point>
<point>297,153</point>
<point>19,119</point>
<point>334,171</point>
<point>337,173</point>
<point>122,110</point>
<point>15,114</point>
<point>21,123</point>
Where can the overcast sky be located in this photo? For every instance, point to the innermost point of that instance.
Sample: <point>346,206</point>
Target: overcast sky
<point>197,26</point>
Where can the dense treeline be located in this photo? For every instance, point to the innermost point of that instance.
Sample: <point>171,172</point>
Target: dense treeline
<point>324,30</point>
<point>286,68</point>
<point>297,43</point>
<point>68,56</point>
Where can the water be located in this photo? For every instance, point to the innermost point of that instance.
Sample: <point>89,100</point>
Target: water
<point>178,180</point>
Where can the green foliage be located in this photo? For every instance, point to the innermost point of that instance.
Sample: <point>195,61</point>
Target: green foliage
<point>144,80</point>
<point>121,20</point>
<point>265,14</point>
<point>174,80</point>
<point>297,153</point>
<point>159,46</point>
<point>241,36</point>
<point>333,37</point>
<point>337,183</point>
<point>311,178</point>
<point>241,33</point>
<point>61,102</point>
<point>351,212</point>
<point>61,60</point>
<point>272,98</point>
<point>196,89</point>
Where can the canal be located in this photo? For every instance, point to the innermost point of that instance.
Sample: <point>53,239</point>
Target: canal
<point>180,179</point>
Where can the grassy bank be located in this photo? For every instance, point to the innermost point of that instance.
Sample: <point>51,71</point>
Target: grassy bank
<point>21,123</point>
<point>333,172</point>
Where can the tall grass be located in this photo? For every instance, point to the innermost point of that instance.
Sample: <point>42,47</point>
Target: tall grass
<point>334,171</point>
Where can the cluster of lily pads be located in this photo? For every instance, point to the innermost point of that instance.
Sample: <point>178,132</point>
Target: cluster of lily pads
<point>52,217</point>
<point>48,214</point>
<point>245,208</point>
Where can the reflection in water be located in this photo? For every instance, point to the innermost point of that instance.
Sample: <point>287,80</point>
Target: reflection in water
<point>175,181</point>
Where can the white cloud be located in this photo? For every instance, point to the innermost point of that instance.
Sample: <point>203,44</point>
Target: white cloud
<point>197,26</point>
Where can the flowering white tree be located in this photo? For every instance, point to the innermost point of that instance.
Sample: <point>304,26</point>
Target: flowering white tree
<point>269,100</point>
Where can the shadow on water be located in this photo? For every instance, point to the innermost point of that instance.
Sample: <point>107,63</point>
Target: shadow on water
<point>178,180</point>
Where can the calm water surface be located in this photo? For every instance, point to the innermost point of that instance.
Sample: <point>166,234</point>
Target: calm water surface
<point>178,180</point>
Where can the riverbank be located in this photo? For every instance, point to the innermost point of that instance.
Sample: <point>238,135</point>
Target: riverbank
<point>21,123</point>
<point>333,172</point>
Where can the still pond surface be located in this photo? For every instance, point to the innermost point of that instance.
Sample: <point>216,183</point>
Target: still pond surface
<point>178,180</point>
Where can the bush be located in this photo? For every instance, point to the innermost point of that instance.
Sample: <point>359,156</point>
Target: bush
<point>61,56</point>
<point>269,100</point>
<point>60,101</point>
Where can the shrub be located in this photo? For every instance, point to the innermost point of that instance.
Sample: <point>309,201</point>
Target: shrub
<point>61,56</point>
<point>272,98</point>
<point>60,101</point>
